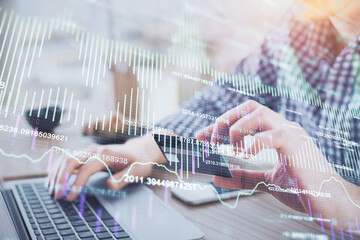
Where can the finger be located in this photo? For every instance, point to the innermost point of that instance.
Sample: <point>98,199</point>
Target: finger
<point>225,121</point>
<point>63,176</point>
<point>205,133</point>
<point>116,181</point>
<point>66,169</point>
<point>53,171</point>
<point>242,179</point>
<point>265,140</point>
<point>52,176</point>
<point>89,128</point>
<point>220,130</point>
<point>83,176</point>
<point>262,119</point>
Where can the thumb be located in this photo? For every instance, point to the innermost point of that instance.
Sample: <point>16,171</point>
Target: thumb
<point>117,181</point>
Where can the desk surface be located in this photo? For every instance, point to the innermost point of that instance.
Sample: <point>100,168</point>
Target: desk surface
<point>256,217</point>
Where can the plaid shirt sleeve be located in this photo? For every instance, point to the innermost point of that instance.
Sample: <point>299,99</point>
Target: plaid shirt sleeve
<point>215,100</point>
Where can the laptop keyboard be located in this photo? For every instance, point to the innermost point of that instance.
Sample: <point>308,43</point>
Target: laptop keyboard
<point>84,218</point>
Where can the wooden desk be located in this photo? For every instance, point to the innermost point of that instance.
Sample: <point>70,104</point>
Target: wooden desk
<point>255,217</point>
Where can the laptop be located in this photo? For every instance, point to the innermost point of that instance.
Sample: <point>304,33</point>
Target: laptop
<point>27,211</point>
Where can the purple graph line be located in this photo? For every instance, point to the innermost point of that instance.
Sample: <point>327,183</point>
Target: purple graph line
<point>81,206</point>
<point>65,186</point>
<point>17,125</point>
<point>193,165</point>
<point>350,232</point>
<point>342,234</point>
<point>116,225</point>
<point>50,160</point>
<point>206,149</point>
<point>228,120</point>
<point>133,219</point>
<point>282,156</point>
<point>150,206</point>
<point>34,139</point>
<point>297,187</point>
<point>98,223</point>
<point>357,224</point>
<point>322,223</point>
<point>238,113</point>
<point>259,123</point>
<point>332,231</point>
<point>181,173</point>
<point>310,213</point>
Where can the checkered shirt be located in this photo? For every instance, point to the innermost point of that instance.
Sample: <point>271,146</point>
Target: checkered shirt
<point>297,55</point>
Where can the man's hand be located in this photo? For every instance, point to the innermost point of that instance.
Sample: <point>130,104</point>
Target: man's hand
<point>301,164</point>
<point>138,150</point>
<point>270,130</point>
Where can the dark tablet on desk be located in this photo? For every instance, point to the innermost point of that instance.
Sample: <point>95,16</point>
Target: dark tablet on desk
<point>191,155</point>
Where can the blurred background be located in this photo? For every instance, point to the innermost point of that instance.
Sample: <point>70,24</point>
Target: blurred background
<point>218,32</point>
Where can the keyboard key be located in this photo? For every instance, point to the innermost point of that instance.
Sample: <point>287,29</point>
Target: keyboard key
<point>94,224</point>
<point>90,218</point>
<point>66,232</point>
<point>82,229</point>
<point>89,238</point>
<point>93,201</point>
<point>103,235</point>
<point>72,237</point>
<point>106,215</point>
<point>33,198</point>
<point>51,206</point>
<point>40,215</point>
<point>38,210</point>
<point>43,220</point>
<point>112,223</point>
<point>49,231</point>
<point>63,226</point>
<point>46,225</point>
<point>85,234</point>
<point>74,218</point>
<point>49,202</point>
<point>45,197</point>
<point>99,229</point>
<point>52,237</point>
<point>54,210</point>
<point>57,215</point>
<point>77,222</point>
<point>34,226</point>
<point>35,206</point>
<point>39,238</point>
<point>37,232</point>
<point>71,214</point>
<point>120,235</point>
<point>60,220</point>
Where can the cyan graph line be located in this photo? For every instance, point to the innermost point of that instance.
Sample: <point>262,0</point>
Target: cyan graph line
<point>174,172</point>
